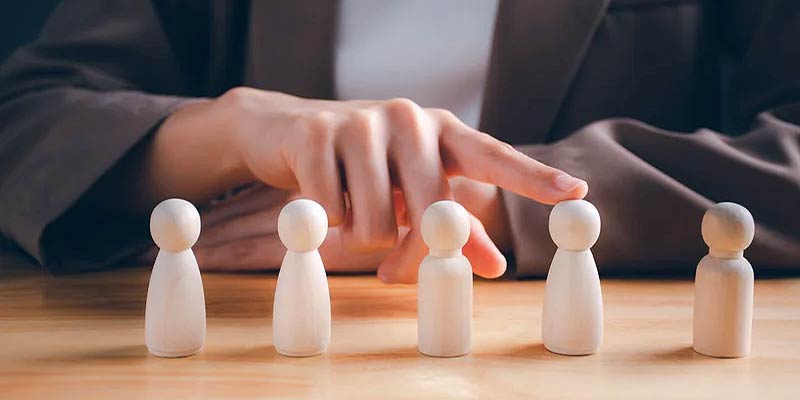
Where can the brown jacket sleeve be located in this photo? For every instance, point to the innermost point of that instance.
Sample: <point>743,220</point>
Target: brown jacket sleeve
<point>652,186</point>
<point>72,104</point>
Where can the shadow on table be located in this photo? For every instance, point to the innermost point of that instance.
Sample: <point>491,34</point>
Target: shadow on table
<point>126,353</point>
<point>682,354</point>
<point>395,354</point>
<point>374,307</point>
<point>133,353</point>
<point>263,353</point>
<point>537,351</point>
<point>249,354</point>
<point>103,294</point>
<point>534,351</point>
<point>123,293</point>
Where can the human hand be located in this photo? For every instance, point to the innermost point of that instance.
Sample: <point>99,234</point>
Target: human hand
<point>240,232</point>
<point>351,156</point>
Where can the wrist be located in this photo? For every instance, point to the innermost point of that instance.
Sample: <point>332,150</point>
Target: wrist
<point>194,155</point>
<point>233,171</point>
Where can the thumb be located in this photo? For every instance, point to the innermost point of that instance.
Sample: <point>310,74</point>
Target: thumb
<point>402,264</point>
<point>486,259</point>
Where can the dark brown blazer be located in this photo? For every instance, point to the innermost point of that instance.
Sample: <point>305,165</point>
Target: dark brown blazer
<point>630,95</point>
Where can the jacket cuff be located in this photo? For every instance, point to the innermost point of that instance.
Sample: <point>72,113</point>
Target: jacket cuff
<point>92,133</point>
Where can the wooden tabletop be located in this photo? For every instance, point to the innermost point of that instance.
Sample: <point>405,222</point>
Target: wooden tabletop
<point>82,337</point>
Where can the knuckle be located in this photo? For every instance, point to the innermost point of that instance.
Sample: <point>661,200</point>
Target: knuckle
<point>402,103</point>
<point>239,95</point>
<point>362,119</point>
<point>402,108</point>
<point>500,150</point>
<point>405,115</point>
<point>498,153</point>
<point>443,114</point>
<point>318,127</point>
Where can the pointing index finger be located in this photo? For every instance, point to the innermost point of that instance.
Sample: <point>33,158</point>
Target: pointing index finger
<point>479,156</point>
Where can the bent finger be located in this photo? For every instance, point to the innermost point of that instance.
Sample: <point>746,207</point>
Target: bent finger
<point>402,265</point>
<point>318,177</point>
<point>371,225</point>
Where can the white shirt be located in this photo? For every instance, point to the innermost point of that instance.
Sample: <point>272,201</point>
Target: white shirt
<point>435,53</point>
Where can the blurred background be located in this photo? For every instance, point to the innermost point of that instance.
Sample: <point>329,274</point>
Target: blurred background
<point>20,22</point>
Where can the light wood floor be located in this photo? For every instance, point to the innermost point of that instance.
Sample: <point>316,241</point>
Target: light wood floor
<point>81,337</point>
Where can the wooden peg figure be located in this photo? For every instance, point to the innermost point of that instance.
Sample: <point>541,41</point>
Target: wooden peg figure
<point>723,295</point>
<point>175,314</point>
<point>444,292</point>
<point>301,314</point>
<point>572,312</point>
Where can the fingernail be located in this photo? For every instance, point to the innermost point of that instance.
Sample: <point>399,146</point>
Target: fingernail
<point>567,183</point>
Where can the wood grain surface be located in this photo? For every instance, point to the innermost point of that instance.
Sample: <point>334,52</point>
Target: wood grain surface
<point>81,337</point>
